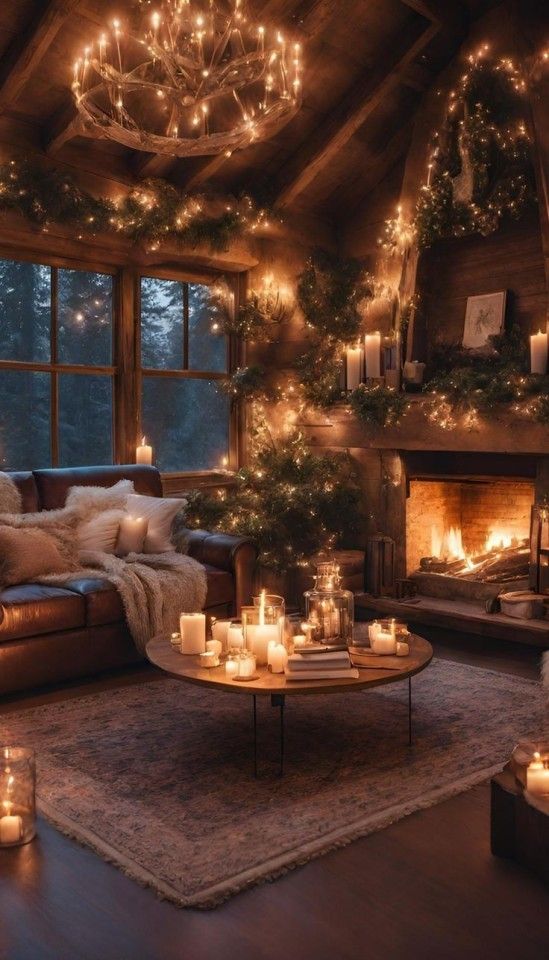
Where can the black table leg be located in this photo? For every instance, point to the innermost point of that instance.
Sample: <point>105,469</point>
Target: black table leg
<point>255,735</point>
<point>409,711</point>
<point>278,700</point>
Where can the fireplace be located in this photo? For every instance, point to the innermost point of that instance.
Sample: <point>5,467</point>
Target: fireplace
<point>468,525</point>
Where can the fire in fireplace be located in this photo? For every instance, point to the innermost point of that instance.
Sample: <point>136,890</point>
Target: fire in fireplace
<point>469,529</point>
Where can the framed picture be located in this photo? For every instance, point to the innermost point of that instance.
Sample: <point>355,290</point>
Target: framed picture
<point>484,318</point>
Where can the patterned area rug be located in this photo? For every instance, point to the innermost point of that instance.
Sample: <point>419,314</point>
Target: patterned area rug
<point>157,778</point>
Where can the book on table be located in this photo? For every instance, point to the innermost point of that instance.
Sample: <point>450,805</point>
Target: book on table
<point>320,666</point>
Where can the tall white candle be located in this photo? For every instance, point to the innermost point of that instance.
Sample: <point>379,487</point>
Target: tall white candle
<point>193,632</point>
<point>372,352</point>
<point>144,452</point>
<point>538,352</point>
<point>354,367</point>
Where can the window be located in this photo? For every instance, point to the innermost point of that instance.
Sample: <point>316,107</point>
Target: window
<point>184,411</point>
<point>56,372</point>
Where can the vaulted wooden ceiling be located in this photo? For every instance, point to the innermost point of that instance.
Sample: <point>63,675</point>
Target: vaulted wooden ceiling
<point>367,64</point>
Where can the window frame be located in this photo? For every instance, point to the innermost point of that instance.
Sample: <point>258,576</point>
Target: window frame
<point>54,368</point>
<point>235,357</point>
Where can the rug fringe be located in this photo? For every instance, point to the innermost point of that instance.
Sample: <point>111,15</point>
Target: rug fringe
<point>289,860</point>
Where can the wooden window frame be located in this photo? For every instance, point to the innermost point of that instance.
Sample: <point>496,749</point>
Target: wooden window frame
<point>54,368</point>
<point>174,480</point>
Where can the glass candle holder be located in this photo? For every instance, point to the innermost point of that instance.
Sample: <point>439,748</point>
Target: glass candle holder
<point>261,624</point>
<point>17,796</point>
<point>329,608</point>
<point>245,666</point>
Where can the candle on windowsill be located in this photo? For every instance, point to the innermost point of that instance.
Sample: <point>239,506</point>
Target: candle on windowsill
<point>354,367</point>
<point>372,353</point>
<point>144,452</point>
<point>538,352</point>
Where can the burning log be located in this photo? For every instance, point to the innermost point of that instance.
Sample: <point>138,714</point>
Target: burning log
<point>502,565</point>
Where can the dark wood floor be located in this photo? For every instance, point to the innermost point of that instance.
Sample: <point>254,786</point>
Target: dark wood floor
<point>427,887</point>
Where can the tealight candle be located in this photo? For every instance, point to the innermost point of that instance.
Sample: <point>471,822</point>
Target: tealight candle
<point>214,646</point>
<point>537,777</point>
<point>193,632</point>
<point>209,659</point>
<point>11,829</point>
<point>175,640</point>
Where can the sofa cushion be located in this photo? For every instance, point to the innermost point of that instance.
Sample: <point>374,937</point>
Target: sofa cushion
<point>24,481</point>
<point>102,600</point>
<point>220,586</point>
<point>31,609</point>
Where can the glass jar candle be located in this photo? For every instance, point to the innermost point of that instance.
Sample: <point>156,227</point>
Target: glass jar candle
<point>329,608</point>
<point>262,624</point>
<point>17,796</point>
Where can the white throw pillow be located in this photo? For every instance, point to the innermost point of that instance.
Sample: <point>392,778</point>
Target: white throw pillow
<point>160,514</point>
<point>92,500</point>
<point>101,532</point>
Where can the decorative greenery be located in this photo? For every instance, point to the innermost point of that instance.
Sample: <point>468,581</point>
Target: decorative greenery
<point>289,500</point>
<point>482,167</point>
<point>329,292</point>
<point>319,372</point>
<point>249,383</point>
<point>378,405</point>
<point>257,318</point>
<point>151,213</point>
<point>463,383</point>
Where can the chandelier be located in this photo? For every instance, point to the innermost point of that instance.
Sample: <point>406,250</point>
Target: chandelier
<point>187,78</point>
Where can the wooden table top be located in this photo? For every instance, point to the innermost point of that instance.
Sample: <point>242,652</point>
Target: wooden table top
<point>186,667</point>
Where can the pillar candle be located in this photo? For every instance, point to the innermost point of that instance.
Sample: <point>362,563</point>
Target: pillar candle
<point>131,535</point>
<point>220,631</point>
<point>235,637</point>
<point>11,829</point>
<point>354,367</point>
<point>192,627</point>
<point>384,642</point>
<point>372,352</point>
<point>537,777</point>
<point>258,637</point>
<point>144,452</point>
<point>279,658</point>
<point>538,352</point>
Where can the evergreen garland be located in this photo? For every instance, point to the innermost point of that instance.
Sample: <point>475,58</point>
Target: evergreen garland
<point>249,383</point>
<point>329,292</point>
<point>151,213</point>
<point>377,405</point>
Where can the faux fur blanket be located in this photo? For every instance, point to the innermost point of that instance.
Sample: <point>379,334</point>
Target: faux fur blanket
<point>154,588</point>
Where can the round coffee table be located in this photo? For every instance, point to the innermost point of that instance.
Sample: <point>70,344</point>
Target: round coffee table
<point>278,686</point>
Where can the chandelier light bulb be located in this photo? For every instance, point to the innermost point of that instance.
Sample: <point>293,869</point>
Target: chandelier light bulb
<point>204,60</point>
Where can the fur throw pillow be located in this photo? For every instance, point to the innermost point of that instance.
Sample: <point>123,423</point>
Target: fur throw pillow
<point>61,525</point>
<point>160,514</point>
<point>88,501</point>
<point>100,532</point>
<point>10,497</point>
<point>30,552</point>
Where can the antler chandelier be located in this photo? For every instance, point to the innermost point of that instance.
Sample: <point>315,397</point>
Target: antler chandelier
<point>187,78</point>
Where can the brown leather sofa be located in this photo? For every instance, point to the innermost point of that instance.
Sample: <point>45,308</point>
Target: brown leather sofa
<point>49,634</point>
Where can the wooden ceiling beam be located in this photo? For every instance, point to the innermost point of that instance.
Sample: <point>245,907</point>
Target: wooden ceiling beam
<point>25,53</point>
<point>152,165</point>
<point>61,129</point>
<point>349,116</point>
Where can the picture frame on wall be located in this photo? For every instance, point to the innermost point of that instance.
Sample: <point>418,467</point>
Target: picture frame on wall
<point>484,318</point>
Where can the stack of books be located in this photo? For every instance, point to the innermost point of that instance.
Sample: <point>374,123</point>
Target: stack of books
<point>318,662</point>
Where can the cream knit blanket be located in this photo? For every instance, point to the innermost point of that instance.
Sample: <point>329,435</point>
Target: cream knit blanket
<point>154,588</point>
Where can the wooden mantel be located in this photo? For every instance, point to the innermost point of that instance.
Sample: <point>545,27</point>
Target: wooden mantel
<point>509,433</point>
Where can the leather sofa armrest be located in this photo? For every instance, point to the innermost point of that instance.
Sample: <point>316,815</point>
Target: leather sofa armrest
<point>237,555</point>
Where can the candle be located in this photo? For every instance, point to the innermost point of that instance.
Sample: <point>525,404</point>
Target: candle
<point>231,668</point>
<point>372,352</point>
<point>403,648</point>
<point>214,646</point>
<point>383,642</point>
<point>246,664</point>
<point>300,640</point>
<point>131,535</point>
<point>209,659</point>
<point>259,635</point>
<point>193,632</point>
<point>220,631</point>
<point>373,630</point>
<point>537,777</point>
<point>235,637</point>
<point>144,452</point>
<point>11,828</point>
<point>175,640</point>
<point>413,371</point>
<point>354,367</point>
<point>279,658</point>
<point>538,352</point>
<point>273,644</point>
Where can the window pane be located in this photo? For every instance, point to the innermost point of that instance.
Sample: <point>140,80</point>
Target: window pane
<point>24,420</point>
<point>24,311</point>
<point>162,330</point>
<point>85,420</point>
<point>84,320</point>
<point>207,349</point>
<point>187,422</point>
